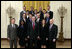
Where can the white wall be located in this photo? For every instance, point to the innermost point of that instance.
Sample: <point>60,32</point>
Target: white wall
<point>17,5</point>
<point>67,19</point>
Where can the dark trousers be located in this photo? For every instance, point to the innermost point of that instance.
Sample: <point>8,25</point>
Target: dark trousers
<point>51,44</point>
<point>27,43</point>
<point>38,43</point>
<point>33,43</point>
<point>13,42</point>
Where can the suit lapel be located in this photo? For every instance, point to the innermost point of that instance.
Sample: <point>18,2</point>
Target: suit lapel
<point>52,27</point>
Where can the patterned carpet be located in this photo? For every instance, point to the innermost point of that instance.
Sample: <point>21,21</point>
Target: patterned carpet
<point>65,44</point>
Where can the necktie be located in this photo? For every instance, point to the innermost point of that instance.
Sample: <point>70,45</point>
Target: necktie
<point>47,19</point>
<point>13,26</point>
<point>33,26</point>
<point>50,27</point>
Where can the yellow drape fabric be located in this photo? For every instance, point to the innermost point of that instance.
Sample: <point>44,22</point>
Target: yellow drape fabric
<point>36,4</point>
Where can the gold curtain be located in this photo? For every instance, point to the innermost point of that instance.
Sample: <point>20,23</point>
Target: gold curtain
<point>36,4</point>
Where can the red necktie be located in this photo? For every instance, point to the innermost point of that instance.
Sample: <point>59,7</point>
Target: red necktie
<point>33,26</point>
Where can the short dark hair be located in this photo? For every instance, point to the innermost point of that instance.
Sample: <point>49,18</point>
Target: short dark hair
<point>31,14</point>
<point>48,6</point>
<point>48,13</point>
<point>24,6</point>
<point>37,12</point>
<point>12,18</point>
<point>44,9</point>
<point>27,10</point>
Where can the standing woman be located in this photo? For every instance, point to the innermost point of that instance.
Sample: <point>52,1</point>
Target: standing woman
<point>22,34</point>
<point>43,31</point>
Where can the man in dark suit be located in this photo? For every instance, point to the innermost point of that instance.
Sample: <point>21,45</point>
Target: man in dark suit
<point>53,30</point>
<point>29,20</point>
<point>12,33</point>
<point>32,11</point>
<point>41,13</point>
<point>22,12</point>
<point>50,12</point>
<point>33,33</point>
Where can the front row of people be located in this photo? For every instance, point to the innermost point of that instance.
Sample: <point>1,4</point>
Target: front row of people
<point>33,35</point>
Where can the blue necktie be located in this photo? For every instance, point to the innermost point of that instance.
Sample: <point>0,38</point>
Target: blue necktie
<point>47,19</point>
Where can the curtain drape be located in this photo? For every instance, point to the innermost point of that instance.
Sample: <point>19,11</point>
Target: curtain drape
<point>36,4</point>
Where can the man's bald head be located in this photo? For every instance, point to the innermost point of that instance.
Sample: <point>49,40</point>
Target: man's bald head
<point>51,21</point>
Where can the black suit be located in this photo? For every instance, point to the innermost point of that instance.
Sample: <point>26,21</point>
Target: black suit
<point>33,35</point>
<point>51,14</point>
<point>21,14</point>
<point>41,15</point>
<point>31,12</point>
<point>22,34</point>
<point>52,35</point>
<point>43,34</point>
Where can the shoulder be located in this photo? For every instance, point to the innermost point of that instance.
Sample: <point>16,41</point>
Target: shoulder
<point>21,11</point>
<point>55,25</point>
<point>51,11</point>
<point>16,25</point>
<point>9,25</point>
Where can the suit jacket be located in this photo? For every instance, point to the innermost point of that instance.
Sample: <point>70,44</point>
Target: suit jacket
<point>32,33</point>
<point>22,32</point>
<point>43,32</point>
<point>41,15</point>
<point>53,32</point>
<point>21,14</point>
<point>31,12</point>
<point>51,14</point>
<point>12,32</point>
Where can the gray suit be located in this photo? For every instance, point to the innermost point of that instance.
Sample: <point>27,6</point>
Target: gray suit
<point>12,34</point>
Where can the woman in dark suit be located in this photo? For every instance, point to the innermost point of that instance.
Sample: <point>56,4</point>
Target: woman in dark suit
<point>22,34</point>
<point>43,31</point>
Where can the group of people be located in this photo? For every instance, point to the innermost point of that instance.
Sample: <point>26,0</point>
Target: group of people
<point>36,29</point>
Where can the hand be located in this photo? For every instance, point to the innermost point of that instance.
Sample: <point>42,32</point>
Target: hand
<point>25,39</point>
<point>28,37</point>
<point>54,40</point>
<point>38,37</point>
<point>18,39</point>
<point>46,39</point>
<point>8,38</point>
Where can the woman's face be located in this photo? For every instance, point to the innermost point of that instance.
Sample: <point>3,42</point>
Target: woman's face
<point>44,11</point>
<point>22,22</point>
<point>30,16</point>
<point>24,15</point>
<point>35,11</point>
<point>27,13</point>
<point>43,21</point>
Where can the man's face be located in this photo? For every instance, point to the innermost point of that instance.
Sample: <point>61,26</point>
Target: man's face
<point>13,21</point>
<point>51,21</point>
<point>32,8</point>
<point>38,15</point>
<point>33,19</point>
<point>40,8</point>
<point>24,8</point>
<point>48,8</point>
